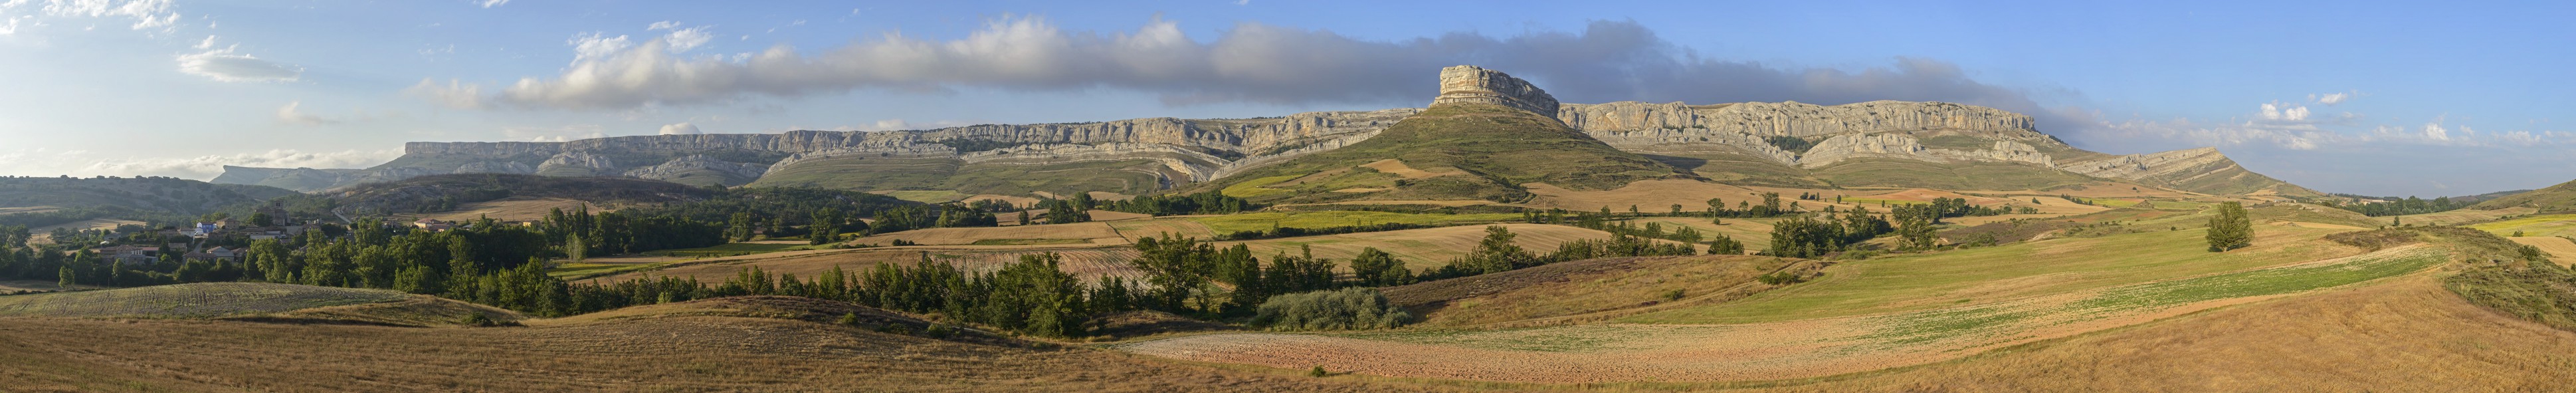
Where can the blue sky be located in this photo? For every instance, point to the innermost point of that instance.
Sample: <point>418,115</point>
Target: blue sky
<point>2386,99</point>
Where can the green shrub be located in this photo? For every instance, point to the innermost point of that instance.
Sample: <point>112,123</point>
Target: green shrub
<point>1340,309</point>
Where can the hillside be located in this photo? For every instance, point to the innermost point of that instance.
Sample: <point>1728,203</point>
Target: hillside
<point>251,301</point>
<point>154,194</point>
<point>2561,197</point>
<point>446,192</point>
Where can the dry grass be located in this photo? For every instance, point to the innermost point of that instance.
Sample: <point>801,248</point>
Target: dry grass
<point>1140,229</point>
<point>2406,336</point>
<point>2461,216</point>
<point>1578,287</point>
<point>2560,249</point>
<point>509,209</point>
<point>1419,248</point>
<point>86,225</point>
<point>1647,195</point>
<point>1088,233</point>
<point>1090,264</point>
<point>650,354</point>
<point>1396,167</point>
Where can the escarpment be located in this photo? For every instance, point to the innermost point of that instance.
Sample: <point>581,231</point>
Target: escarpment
<point>1153,154</point>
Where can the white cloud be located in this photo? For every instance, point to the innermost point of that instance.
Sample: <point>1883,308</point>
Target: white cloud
<point>2435,131</point>
<point>146,14</point>
<point>209,43</point>
<point>2331,99</point>
<point>683,40</point>
<point>491,3</point>
<point>2284,112</point>
<point>204,167</point>
<point>291,115</point>
<point>11,25</point>
<point>682,128</point>
<point>663,25</point>
<point>555,134</point>
<point>453,95</point>
<point>595,45</point>
<point>224,65</point>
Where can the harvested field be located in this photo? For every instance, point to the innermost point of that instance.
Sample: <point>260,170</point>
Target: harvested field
<point>86,225</point>
<point>202,300</point>
<point>509,209</point>
<point>1650,195</point>
<point>1090,264</point>
<point>1994,274</point>
<point>1419,248</point>
<point>2560,249</point>
<point>2461,216</point>
<point>1140,229</point>
<point>1779,350</point>
<point>1579,287</point>
<point>1339,218</point>
<point>2407,335</point>
<point>650,353</point>
<point>1105,215</point>
<point>1396,167</point>
<point>1087,233</point>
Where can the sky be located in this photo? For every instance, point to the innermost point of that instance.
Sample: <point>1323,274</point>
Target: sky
<point>2373,98</point>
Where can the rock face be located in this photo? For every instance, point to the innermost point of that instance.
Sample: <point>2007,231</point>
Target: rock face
<point>1475,85</point>
<point>1200,150</point>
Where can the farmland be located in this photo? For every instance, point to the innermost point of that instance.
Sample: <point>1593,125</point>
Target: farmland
<point>1419,248</point>
<point>1337,218</point>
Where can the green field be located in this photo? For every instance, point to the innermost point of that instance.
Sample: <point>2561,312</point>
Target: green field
<point>927,196</point>
<point>1984,275</point>
<point>1253,188</point>
<point>1027,242</point>
<point>1327,219</point>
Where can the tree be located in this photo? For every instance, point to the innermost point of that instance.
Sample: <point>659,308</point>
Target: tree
<point>826,227</point>
<point>1377,268</point>
<point>1725,245</point>
<point>2230,229</point>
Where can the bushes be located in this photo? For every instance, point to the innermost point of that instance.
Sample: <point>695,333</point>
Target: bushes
<point>1341,309</point>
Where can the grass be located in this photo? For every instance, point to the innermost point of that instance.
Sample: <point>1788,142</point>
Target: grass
<point>1971,175</point>
<point>1253,188</point>
<point>1496,148</point>
<point>1985,275</point>
<point>1340,218</point>
<point>927,196</point>
<point>1935,325</point>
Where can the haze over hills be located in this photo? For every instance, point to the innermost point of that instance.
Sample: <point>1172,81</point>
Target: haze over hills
<point>1868,144</point>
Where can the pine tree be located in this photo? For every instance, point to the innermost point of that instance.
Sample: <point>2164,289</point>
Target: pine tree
<point>2230,229</point>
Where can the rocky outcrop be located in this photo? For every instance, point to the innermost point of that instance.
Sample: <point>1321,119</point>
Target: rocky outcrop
<point>735,172</point>
<point>509,167</point>
<point>1847,146</point>
<point>577,163</point>
<point>2142,166</point>
<point>1475,85</point>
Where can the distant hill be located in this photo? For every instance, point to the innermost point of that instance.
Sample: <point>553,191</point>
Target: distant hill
<point>1465,151</point>
<point>148,194</point>
<point>441,192</point>
<point>2561,197</point>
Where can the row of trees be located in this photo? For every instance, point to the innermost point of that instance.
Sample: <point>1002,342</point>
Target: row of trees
<point>2399,207</point>
<point>1210,202</point>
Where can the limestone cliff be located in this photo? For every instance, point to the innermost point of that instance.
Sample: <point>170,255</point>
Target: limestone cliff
<point>1468,84</point>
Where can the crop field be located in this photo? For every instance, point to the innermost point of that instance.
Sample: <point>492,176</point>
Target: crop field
<point>1419,248</point>
<point>1340,218</point>
<point>1776,350</point>
<point>683,353</point>
<point>732,249</point>
<point>2560,249</point>
<point>925,196</point>
<point>86,225</point>
<point>1077,233</point>
<point>1569,289</point>
<point>1139,229</point>
<point>511,209</point>
<point>1992,274</point>
<point>1256,187</point>
<point>2461,216</point>
<point>1090,264</point>
<point>1755,233</point>
<point>1647,195</point>
<point>2541,225</point>
<point>202,300</point>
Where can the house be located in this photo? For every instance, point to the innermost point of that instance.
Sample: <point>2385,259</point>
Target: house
<point>433,225</point>
<point>203,229</point>
<point>217,254</point>
<point>130,255</point>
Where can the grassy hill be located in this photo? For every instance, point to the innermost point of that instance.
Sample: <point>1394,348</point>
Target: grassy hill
<point>159,194</point>
<point>2561,197</point>
<point>431,192</point>
<point>1450,152</point>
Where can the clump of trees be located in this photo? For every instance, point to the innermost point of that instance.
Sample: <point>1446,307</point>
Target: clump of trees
<point>1802,237</point>
<point>1339,309</point>
<point>2398,207</point>
<point>2230,228</point>
<point>1211,202</point>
